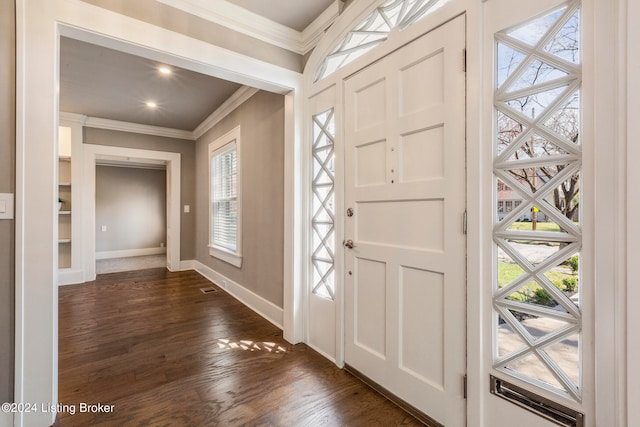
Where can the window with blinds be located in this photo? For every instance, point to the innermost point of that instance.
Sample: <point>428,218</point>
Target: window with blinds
<point>225,202</point>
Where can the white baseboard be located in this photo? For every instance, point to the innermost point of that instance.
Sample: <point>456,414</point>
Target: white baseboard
<point>130,252</point>
<point>255,302</point>
<point>6,419</point>
<point>67,276</point>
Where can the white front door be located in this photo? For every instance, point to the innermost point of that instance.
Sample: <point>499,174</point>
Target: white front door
<point>405,282</point>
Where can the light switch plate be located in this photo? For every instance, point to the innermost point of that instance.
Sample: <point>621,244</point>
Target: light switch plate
<point>187,208</point>
<point>6,205</point>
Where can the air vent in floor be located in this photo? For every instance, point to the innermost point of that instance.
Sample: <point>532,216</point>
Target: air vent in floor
<point>208,290</point>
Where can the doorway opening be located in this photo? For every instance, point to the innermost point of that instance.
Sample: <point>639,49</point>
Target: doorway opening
<point>131,204</point>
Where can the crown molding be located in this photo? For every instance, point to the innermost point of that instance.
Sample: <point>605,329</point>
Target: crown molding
<point>95,122</point>
<point>234,101</point>
<point>234,17</point>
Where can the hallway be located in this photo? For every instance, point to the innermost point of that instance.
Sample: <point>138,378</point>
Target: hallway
<point>162,352</point>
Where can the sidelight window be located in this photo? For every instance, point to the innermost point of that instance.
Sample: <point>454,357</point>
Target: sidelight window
<point>323,205</point>
<point>538,157</point>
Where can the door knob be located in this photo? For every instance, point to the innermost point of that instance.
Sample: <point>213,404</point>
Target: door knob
<point>349,244</point>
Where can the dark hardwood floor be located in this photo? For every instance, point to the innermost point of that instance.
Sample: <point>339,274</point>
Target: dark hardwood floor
<point>151,344</point>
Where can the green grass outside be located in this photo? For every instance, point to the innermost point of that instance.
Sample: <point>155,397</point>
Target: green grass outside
<point>508,272</point>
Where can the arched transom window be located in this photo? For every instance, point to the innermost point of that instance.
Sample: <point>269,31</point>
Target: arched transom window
<point>374,30</point>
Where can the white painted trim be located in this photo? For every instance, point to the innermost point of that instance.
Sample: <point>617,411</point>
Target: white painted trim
<point>159,44</point>
<point>632,12</point>
<point>246,22</point>
<point>95,122</point>
<point>125,253</point>
<point>36,231</point>
<point>479,161</point>
<point>72,118</point>
<point>70,276</point>
<point>91,154</point>
<point>294,221</point>
<point>241,20</point>
<point>255,302</point>
<point>237,99</point>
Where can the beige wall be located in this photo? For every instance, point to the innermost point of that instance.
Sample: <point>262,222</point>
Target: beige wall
<point>147,142</point>
<point>164,16</point>
<point>7,185</point>
<point>261,119</point>
<point>132,204</point>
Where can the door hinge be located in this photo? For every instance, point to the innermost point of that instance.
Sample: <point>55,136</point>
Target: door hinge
<point>464,60</point>
<point>464,222</point>
<point>464,386</point>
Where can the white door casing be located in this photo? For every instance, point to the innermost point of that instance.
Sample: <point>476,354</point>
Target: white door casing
<point>405,281</point>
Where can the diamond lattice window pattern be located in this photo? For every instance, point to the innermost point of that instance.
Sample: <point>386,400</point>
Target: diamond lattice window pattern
<point>323,205</point>
<point>374,30</point>
<point>537,166</point>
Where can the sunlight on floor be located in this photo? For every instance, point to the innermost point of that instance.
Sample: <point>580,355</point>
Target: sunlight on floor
<point>250,346</point>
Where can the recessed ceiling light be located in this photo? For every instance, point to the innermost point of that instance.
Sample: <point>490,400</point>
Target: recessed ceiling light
<point>164,70</point>
<point>151,104</point>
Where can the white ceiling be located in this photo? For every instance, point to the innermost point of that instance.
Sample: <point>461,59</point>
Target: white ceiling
<point>109,84</point>
<point>104,83</point>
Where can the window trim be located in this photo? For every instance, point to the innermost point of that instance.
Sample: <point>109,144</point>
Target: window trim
<point>220,146</point>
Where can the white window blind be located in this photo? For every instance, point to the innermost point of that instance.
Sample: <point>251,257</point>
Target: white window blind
<point>224,185</point>
<point>225,204</point>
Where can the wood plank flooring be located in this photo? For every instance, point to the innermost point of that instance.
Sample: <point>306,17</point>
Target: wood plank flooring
<point>151,344</point>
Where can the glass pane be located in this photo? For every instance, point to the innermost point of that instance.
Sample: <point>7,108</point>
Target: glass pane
<point>508,269</point>
<point>533,293</point>
<point>566,354</point>
<point>534,368</point>
<point>537,146</point>
<point>536,178</point>
<point>532,106</point>
<point>565,121</point>
<point>537,326</point>
<point>537,72</point>
<point>508,340</point>
<point>508,130</point>
<point>565,277</point>
<point>566,43</point>
<point>534,251</point>
<point>533,31</point>
<point>508,60</point>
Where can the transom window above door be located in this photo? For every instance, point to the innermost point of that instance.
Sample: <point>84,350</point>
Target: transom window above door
<point>374,30</point>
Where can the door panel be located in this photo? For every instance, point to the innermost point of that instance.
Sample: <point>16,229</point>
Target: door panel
<point>405,180</point>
